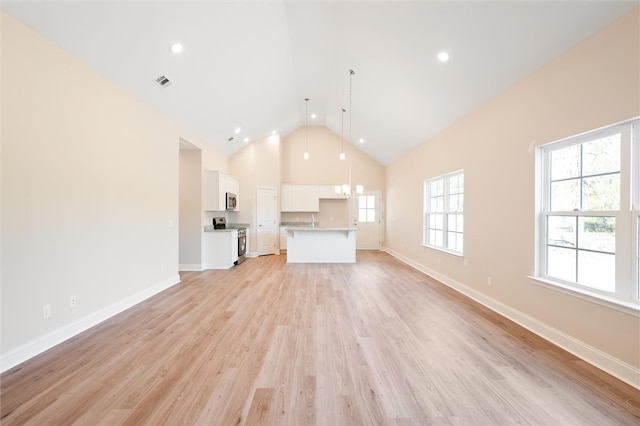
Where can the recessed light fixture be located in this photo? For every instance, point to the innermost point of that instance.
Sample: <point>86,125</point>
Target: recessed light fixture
<point>313,116</point>
<point>274,132</point>
<point>246,140</point>
<point>238,130</point>
<point>443,56</point>
<point>177,48</point>
<point>361,140</point>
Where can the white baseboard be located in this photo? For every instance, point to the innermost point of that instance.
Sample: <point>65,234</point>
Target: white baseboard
<point>187,267</point>
<point>617,368</point>
<point>41,344</point>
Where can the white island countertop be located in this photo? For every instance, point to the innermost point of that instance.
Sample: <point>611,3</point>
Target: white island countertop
<point>309,244</point>
<point>317,228</point>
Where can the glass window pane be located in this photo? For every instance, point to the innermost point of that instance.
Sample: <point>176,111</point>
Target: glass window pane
<point>597,270</point>
<point>362,201</point>
<point>561,263</point>
<point>565,162</point>
<point>601,193</point>
<point>455,184</point>
<point>451,241</point>
<point>436,188</point>
<point>455,203</point>
<point>601,155</point>
<point>435,237</point>
<point>435,221</point>
<point>597,233</point>
<point>454,223</point>
<point>439,238</point>
<point>362,215</point>
<point>371,202</point>
<point>437,204</point>
<point>561,231</point>
<point>371,215</point>
<point>565,195</point>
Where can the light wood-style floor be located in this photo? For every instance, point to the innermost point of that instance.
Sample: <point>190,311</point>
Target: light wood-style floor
<point>269,343</point>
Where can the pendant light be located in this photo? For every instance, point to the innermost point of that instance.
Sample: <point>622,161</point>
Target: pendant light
<point>306,128</point>
<point>342,156</point>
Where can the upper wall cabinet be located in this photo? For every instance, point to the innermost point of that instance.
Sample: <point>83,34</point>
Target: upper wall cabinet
<point>300,198</point>
<point>216,186</point>
<point>328,192</point>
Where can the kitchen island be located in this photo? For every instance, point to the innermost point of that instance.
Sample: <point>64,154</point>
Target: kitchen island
<point>321,245</point>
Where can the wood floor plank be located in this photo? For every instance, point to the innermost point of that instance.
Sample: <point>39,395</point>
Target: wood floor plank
<point>266,342</point>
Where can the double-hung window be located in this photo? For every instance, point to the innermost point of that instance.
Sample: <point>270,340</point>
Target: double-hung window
<point>443,212</point>
<point>588,213</point>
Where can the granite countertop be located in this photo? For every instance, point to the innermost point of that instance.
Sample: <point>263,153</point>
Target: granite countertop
<point>230,227</point>
<point>209,228</point>
<point>296,224</point>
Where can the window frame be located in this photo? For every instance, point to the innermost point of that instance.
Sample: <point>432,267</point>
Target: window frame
<point>446,213</point>
<point>626,294</point>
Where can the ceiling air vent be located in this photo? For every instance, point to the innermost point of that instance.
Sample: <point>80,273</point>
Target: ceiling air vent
<point>230,138</point>
<point>163,81</point>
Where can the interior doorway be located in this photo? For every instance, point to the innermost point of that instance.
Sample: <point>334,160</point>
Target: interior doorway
<point>267,229</point>
<point>365,212</point>
<point>189,207</point>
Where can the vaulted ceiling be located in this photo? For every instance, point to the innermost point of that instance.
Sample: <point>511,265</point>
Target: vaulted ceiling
<point>249,65</point>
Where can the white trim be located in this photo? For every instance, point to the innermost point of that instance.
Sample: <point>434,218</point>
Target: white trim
<point>190,267</point>
<point>617,368</point>
<point>593,297</point>
<point>455,254</point>
<point>43,343</point>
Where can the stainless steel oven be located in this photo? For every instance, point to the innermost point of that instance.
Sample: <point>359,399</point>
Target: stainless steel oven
<point>242,245</point>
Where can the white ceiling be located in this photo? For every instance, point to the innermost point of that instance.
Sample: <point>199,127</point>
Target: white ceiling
<point>251,64</point>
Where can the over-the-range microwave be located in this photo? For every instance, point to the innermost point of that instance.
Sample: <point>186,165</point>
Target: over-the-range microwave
<point>232,201</point>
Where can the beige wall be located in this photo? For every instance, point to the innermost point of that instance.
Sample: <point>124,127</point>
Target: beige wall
<point>256,165</point>
<point>190,209</point>
<point>89,195</point>
<point>324,167</point>
<point>594,84</point>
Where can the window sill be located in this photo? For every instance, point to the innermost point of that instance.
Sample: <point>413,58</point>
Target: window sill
<point>455,254</point>
<point>630,308</point>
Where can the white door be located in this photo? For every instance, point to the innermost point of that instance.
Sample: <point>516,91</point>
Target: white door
<point>365,215</point>
<point>267,229</point>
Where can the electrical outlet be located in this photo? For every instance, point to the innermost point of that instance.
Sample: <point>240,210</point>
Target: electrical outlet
<point>73,302</point>
<point>46,311</point>
<point>489,281</point>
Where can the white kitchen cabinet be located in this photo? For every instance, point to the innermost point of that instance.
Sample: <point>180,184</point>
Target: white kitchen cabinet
<point>299,198</point>
<point>216,186</point>
<point>328,192</point>
<point>220,249</point>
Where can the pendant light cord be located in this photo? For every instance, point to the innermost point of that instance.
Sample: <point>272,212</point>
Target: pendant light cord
<point>351,74</point>
<point>342,132</point>
<point>306,125</point>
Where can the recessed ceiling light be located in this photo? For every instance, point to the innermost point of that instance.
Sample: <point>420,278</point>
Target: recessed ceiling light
<point>246,140</point>
<point>361,140</point>
<point>238,130</point>
<point>443,56</point>
<point>313,116</point>
<point>274,132</point>
<point>176,48</point>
